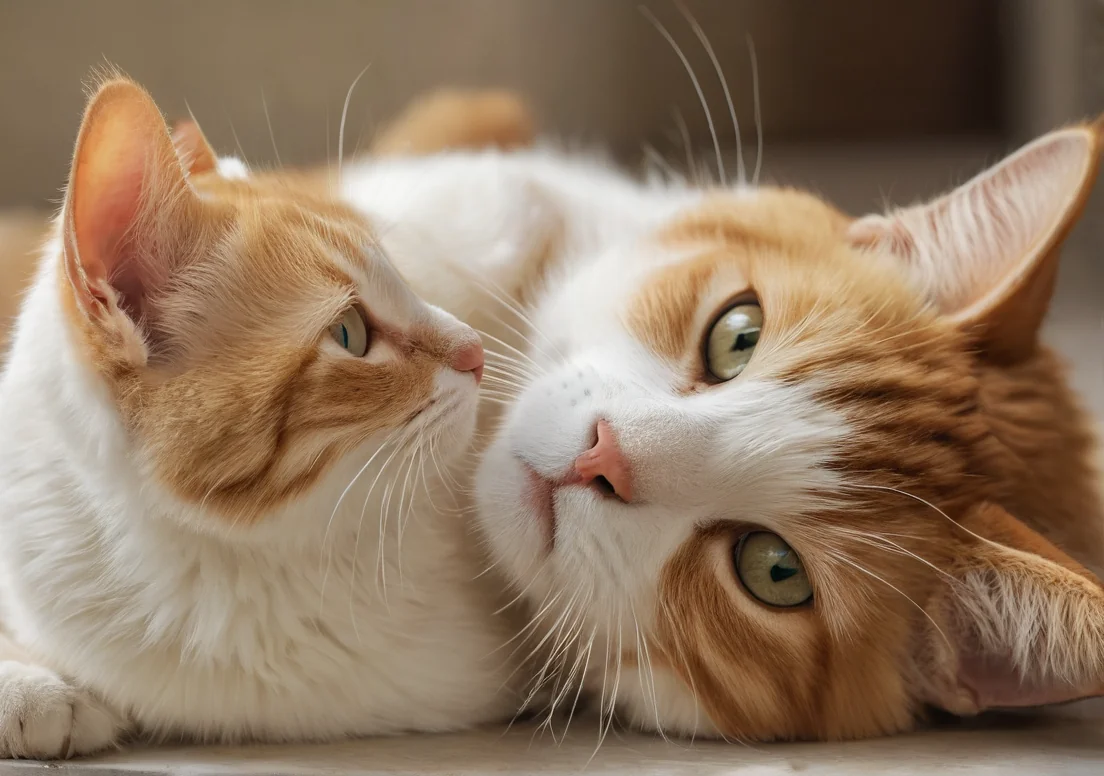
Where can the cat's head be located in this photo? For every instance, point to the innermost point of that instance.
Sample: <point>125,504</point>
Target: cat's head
<point>776,475</point>
<point>247,330</point>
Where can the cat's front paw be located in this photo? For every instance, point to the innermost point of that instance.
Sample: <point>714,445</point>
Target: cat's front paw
<point>42,716</point>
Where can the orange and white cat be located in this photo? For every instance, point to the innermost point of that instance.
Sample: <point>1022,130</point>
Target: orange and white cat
<point>225,418</point>
<point>767,471</point>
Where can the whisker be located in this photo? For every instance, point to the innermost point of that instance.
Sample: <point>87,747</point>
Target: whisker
<point>926,503</point>
<point>341,127</point>
<point>237,142</point>
<point>688,147</point>
<point>681,650</point>
<point>642,650</point>
<point>271,134</point>
<point>616,687</point>
<point>657,159</point>
<point>505,402</point>
<point>891,586</point>
<point>741,173</point>
<point>528,341</point>
<point>519,368</point>
<point>329,523</point>
<point>381,588</point>
<point>582,680</point>
<point>510,347</point>
<point>758,112</point>
<point>491,380</point>
<point>879,540</point>
<point>697,87</point>
<point>400,520</point>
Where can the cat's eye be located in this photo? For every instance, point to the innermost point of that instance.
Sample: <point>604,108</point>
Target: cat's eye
<point>771,570</point>
<point>351,332</point>
<point>732,340</point>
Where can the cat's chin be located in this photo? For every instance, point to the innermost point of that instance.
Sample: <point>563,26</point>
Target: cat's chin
<point>515,512</point>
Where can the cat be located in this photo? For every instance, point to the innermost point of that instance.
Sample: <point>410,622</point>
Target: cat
<point>763,470</point>
<point>226,420</point>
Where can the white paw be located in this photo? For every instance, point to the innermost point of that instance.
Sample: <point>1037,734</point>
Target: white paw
<point>42,716</point>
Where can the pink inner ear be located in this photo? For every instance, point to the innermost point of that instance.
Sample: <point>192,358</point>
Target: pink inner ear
<point>126,190</point>
<point>970,249</point>
<point>109,184</point>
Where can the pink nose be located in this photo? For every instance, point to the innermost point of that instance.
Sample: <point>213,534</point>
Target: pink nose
<point>469,358</point>
<point>605,462</point>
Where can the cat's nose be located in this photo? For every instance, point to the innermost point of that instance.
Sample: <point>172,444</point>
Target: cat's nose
<point>605,465</point>
<point>469,358</point>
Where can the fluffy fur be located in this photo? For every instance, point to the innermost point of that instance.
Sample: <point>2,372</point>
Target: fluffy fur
<point>218,524</point>
<point>899,425</point>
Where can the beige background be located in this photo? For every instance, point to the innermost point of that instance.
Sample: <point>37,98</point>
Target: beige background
<point>594,69</point>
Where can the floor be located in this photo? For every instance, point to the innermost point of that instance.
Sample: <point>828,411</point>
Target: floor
<point>1066,741</point>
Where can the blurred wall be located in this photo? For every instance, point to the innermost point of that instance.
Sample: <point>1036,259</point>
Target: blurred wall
<point>594,69</point>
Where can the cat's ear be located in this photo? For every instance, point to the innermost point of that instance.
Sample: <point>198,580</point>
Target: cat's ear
<point>196,154</point>
<point>129,209</point>
<point>987,253</point>
<point>1020,623</point>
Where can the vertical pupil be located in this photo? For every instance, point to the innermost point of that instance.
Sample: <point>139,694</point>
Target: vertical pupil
<point>344,336</point>
<point>746,339</point>
<point>781,573</point>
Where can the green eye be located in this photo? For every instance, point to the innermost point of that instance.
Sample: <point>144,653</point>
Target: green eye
<point>771,570</point>
<point>732,340</point>
<point>351,332</point>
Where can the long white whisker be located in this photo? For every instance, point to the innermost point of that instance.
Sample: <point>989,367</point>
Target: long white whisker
<point>758,113</point>
<point>404,492</point>
<point>237,142</point>
<point>329,523</point>
<point>697,87</point>
<point>271,133</point>
<point>882,542</point>
<point>656,158</point>
<point>642,650</point>
<point>891,586</point>
<point>341,128</point>
<point>684,132</point>
<point>508,363</point>
<point>510,347</point>
<point>381,588</point>
<point>528,341</point>
<point>926,503</point>
<point>582,680</point>
<point>741,172</point>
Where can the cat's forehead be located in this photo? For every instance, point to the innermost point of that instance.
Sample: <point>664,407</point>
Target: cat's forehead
<point>285,227</point>
<point>774,216</point>
<point>784,249</point>
<point>286,201</point>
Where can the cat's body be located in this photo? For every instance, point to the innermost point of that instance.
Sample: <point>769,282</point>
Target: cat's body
<point>221,520</point>
<point>899,428</point>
